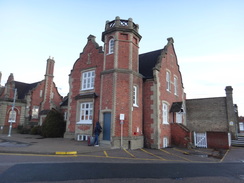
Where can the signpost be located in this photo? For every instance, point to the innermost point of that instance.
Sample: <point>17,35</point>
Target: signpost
<point>122,118</point>
<point>12,116</point>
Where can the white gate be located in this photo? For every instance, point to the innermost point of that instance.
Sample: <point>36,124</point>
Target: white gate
<point>200,139</point>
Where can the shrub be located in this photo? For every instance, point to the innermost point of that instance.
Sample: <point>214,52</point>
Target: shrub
<point>54,124</point>
<point>23,129</point>
<point>36,130</point>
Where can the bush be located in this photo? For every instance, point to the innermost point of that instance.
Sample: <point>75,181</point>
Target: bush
<point>23,129</point>
<point>36,130</point>
<point>54,124</point>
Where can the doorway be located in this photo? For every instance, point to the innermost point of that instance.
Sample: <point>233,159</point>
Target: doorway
<point>106,125</point>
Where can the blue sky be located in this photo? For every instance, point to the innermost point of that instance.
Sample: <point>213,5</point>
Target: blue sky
<point>208,36</point>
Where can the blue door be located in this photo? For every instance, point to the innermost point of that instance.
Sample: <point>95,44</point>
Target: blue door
<point>106,125</point>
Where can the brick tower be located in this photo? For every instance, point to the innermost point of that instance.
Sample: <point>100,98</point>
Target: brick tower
<point>48,93</point>
<point>121,85</point>
<point>231,116</point>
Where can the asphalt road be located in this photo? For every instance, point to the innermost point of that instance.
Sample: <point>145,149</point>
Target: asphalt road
<point>57,172</point>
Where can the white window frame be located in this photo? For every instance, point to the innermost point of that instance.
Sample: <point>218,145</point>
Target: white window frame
<point>175,85</point>
<point>88,80</point>
<point>135,96</point>
<point>41,93</point>
<point>52,95</point>
<point>86,113</point>
<point>179,117</point>
<point>241,126</point>
<point>65,115</point>
<point>35,112</point>
<point>168,87</point>
<point>111,46</point>
<point>165,113</point>
<point>165,142</point>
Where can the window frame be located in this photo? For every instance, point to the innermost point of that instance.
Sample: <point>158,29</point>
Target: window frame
<point>165,116</point>
<point>168,86</point>
<point>111,45</point>
<point>165,142</point>
<point>35,112</point>
<point>41,93</point>
<point>65,115</point>
<point>175,85</point>
<point>87,111</point>
<point>178,117</point>
<point>135,96</point>
<point>88,82</point>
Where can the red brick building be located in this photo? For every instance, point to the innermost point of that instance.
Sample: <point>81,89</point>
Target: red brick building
<point>135,97</point>
<point>32,101</point>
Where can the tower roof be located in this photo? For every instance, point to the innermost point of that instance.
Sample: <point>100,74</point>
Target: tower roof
<point>121,25</point>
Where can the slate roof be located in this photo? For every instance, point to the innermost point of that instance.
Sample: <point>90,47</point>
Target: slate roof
<point>147,62</point>
<point>44,112</point>
<point>176,107</point>
<point>24,88</point>
<point>65,101</point>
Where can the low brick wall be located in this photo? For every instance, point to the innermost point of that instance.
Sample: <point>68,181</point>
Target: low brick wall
<point>180,135</point>
<point>217,140</point>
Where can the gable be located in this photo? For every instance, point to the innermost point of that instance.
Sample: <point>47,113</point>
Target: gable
<point>89,54</point>
<point>158,59</point>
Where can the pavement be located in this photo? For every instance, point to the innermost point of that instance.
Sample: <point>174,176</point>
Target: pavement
<point>35,144</point>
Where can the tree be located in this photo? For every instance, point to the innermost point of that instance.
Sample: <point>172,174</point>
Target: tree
<point>54,124</point>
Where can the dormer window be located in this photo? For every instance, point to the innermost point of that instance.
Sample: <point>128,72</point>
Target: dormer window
<point>111,46</point>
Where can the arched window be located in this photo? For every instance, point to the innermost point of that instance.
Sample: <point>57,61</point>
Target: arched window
<point>111,46</point>
<point>165,113</point>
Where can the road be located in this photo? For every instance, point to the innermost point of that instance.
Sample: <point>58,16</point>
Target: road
<point>30,168</point>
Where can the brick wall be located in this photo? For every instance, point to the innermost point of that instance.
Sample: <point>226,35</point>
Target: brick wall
<point>147,112</point>
<point>180,135</point>
<point>169,64</point>
<point>208,114</point>
<point>90,59</point>
<point>217,140</point>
